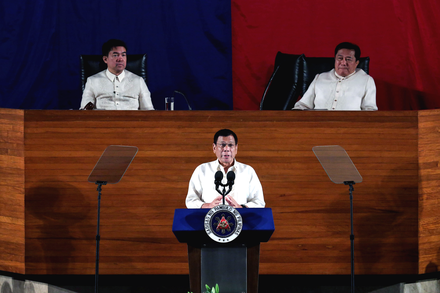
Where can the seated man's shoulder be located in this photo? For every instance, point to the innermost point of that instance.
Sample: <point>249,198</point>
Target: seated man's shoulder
<point>330,72</point>
<point>325,75</point>
<point>132,76</point>
<point>98,75</point>
<point>360,71</point>
<point>362,74</point>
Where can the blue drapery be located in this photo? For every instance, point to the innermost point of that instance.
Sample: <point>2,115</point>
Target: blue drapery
<point>188,44</point>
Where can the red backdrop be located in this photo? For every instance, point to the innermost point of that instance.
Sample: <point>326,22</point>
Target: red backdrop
<point>400,36</point>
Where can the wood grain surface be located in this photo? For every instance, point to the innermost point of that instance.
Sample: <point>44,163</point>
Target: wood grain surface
<point>429,191</point>
<point>12,253</point>
<point>312,214</point>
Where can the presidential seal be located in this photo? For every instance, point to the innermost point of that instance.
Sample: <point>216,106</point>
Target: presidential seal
<point>223,223</point>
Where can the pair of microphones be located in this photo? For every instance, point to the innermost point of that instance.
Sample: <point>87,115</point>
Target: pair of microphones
<point>218,177</point>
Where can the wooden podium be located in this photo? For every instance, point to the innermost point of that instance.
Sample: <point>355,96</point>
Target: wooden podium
<point>238,258</point>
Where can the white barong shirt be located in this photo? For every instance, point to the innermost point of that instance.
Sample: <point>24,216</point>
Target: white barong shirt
<point>247,189</point>
<point>127,91</point>
<point>331,91</point>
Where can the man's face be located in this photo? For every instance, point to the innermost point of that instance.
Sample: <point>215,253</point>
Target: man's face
<point>225,149</point>
<point>116,60</point>
<point>345,62</point>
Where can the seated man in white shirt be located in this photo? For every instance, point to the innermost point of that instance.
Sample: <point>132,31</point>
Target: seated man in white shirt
<point>116,88</point>
<point>246,191</point>
<point>343,88</point>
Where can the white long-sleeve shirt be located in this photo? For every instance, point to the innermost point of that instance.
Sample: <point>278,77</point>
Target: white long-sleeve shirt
<point>331,91</point>
<point>127,91</point>
<point>246,190</point>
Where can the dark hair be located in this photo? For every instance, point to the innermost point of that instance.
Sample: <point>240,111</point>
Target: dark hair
<point>225,132</point>
<point>349,46</point>
<point>110,44</point>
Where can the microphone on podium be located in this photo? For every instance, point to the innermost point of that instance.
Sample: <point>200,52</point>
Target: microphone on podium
<point>218,182</point>
<point>231,177</point>
<point>218,179</point>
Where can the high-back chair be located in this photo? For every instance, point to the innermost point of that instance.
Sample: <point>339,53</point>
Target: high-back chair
<point>92,64</point>
<point>293,75</point>
<point>283,87</point>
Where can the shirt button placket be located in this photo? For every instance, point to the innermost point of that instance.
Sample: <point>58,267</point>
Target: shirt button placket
<point>117,92</point>
<point>337,94</point>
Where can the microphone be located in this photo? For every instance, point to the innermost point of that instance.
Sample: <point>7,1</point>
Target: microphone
<point>218,179</point>
<point>186,100</point>
<point>231,177</point>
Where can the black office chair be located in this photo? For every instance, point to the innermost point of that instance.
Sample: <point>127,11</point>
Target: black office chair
<point>282,90</point>
<point>92,64</point>
<point>293,75</point>
<point>314,65</point>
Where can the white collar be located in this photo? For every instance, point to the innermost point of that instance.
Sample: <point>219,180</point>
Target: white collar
<point>112,77</point>
<point>345,77</point>
<point>232,168</point>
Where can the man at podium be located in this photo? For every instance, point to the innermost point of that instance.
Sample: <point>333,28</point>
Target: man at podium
<point>246,191</point>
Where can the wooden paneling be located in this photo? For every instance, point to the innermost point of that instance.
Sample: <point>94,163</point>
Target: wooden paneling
<point>312,215</point>
<point>11,191</point>
<point>429,191</point>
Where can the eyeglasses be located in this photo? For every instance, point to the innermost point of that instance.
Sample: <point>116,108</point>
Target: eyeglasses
<point>223,145</point>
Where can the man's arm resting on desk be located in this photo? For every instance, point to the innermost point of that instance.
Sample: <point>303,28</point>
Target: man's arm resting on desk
<point>308,99</point>
<point>88,98</point>
<point>145,102</point>
<point>369,100</point>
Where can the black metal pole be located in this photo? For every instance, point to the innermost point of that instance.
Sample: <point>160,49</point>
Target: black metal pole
<point>351,183</point>
<point>98,237</point>
<point>223,193</point>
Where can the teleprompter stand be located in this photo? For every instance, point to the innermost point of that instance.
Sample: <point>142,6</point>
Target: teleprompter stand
<point>340,169</point>
<point>109,169</point>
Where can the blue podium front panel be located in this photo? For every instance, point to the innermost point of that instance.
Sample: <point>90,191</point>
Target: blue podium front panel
<point>258,225</point>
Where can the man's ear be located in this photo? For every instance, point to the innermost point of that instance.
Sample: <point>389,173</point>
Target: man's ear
<point>105,59</point>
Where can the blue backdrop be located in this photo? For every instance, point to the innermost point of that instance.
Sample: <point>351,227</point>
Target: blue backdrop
<point>188,43</point>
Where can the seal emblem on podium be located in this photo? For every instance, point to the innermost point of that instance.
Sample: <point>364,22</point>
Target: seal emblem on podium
<point>223,223</point>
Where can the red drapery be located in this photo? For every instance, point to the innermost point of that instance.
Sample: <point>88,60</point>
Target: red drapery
<point>400,36</point>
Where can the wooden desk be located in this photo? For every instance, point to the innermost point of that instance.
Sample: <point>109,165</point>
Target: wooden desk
<point>46,157</point>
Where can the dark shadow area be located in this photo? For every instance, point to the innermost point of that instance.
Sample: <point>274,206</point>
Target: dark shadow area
<point>6,288</point>
<point>431,267</point>
<point>267,284</point>
<point>388,232</point>
<point>54,212</point>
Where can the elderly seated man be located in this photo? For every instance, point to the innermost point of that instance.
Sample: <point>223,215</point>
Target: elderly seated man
<point>343,88</point>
